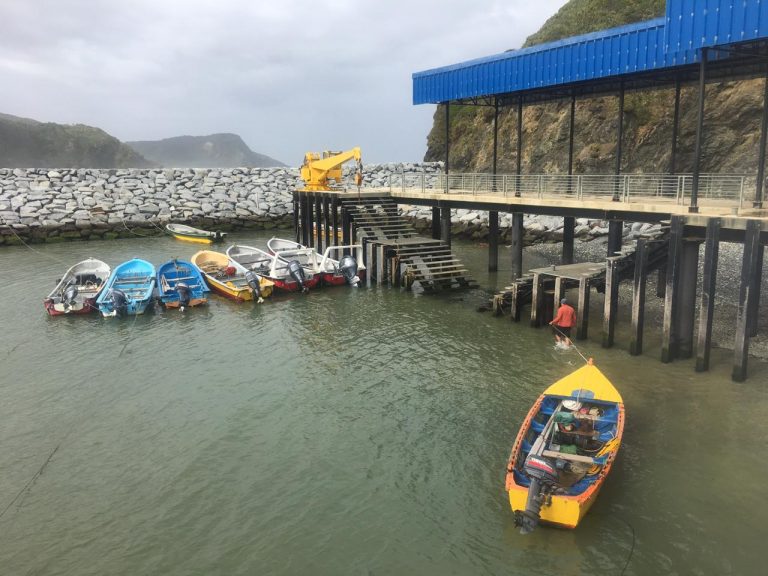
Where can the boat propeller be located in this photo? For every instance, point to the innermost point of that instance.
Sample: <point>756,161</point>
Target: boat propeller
<point>254,282</point>
<point>348,269</point>
<point>543,477</point>
<point>184,295</point>
<point>119,302</point>
<point>70,297</point>
<point>297,273</point>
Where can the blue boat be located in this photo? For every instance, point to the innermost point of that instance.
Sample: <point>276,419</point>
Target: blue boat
<point>181,284</point>
<point>129,289</point>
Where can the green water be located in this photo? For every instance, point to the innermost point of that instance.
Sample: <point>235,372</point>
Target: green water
<point>343,432</point>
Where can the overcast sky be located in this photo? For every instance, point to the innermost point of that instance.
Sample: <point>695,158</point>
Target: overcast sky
<point>289,76</point>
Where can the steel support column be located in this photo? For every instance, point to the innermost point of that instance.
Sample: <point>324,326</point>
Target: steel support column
<point>569,228</point>
<point>296,217</point>
<point>748,269</point>
<point>638,298</point>
<point>445,224</point>
<point>707,301</point>
<point>318,219</point>
<point>519,167</point>
<point>571,131</point>
<point>669,337</point>
<point>493,241</point>
<point>758,203</point>
<point>615,231</point>
<point>335,219</point>
<point>306,233</point>
<point>326,220</point>
<point>675,128</point>
<point>517,245</point>
<point>694,207</point>
<point>619,142</point>
<point>435,222</point>
<point>447,137</point>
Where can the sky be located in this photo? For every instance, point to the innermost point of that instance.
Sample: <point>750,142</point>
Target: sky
<point>288,76</point>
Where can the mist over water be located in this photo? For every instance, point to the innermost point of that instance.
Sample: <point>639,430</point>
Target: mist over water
<point>344,432</point>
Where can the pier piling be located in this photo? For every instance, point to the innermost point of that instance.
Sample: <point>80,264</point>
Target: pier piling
<point>517,245</point>
<point>746,295</point>
<point>638,297</point>
<point>707,302</point>
<point>493,241</point>
<point>669,340</point>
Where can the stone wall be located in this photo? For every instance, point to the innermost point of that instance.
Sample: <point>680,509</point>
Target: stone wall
<point>40,205</point>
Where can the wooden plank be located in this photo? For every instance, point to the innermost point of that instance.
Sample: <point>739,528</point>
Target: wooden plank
<point>611,302</point>
<point>707,302</point>
<point>638,298</point>
<point>669,339</point>
<point>748,269</point>
<point>564,456</point>
<point>537,300</point>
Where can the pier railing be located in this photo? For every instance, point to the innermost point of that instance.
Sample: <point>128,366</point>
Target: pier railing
<point>673,188</point>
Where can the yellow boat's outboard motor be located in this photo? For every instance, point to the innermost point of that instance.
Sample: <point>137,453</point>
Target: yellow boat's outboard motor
<point>119,302</point>
<point>69,298</point>
<point>348,269</point>
<point>185,295</point>
<point>543,477</point>
<point>254,283</point>
<point>297,273</point>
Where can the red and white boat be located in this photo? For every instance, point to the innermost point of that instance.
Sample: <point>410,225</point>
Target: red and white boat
<point>349,269</point>
<point>76,291</point>
<point>288,275</point>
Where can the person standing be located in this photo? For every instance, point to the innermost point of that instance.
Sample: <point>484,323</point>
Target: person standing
<point>563,322</point>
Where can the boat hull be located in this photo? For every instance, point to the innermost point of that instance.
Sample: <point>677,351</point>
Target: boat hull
<point>293,286</point>
<point>136,280</point>
<point>86,279</point>
<point>195,239</point>
<point>174,272</point>
<point>212,264</point>
<point>337,279</point>
<point>87,306</point>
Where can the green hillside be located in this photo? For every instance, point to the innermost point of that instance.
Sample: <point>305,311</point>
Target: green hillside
<point>212,151</point>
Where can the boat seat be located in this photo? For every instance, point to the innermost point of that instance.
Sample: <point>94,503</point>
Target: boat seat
<point>572,457</point>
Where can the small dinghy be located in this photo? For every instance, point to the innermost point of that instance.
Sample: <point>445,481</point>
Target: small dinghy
<point>564,450</point>
<point>77,290</point>
<point>348,270</point>
<point>129,289</point>
<point>181,285</point>
<point>190,234</point>
<point>287,275</point>
<point>226,279</point>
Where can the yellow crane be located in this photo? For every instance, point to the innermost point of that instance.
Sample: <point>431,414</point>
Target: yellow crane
<point>322,171</point>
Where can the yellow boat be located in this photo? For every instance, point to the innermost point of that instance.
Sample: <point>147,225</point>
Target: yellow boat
<point>190,234</point>
<point>225,279</point>
<point>564,450</point>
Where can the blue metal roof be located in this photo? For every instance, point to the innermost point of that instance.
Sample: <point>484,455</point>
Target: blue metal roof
<point>655,45</point>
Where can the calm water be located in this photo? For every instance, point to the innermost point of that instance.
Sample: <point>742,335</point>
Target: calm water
<point>345,432</point>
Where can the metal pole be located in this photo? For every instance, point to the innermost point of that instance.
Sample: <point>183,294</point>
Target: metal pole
<point>571,131</point>
<point>694,207</point>
<point>758,203</point>
<point>493,216</point>
<point>619,139</point>
<point>495,138</point>
<point>447,139</point>
<point>519,170</point>
<point>675,128</point>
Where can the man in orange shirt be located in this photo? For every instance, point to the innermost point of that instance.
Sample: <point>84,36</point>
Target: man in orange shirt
<point>563,322</point>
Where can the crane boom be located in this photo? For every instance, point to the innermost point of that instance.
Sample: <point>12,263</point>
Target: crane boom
<point>318,171</point>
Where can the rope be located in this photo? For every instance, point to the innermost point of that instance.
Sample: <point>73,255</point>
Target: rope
<point>586,360</point>
<point>20,239</point>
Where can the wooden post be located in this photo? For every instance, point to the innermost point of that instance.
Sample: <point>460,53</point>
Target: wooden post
<point>638,298</point>
<point>709,284</point>
<point>369,252</point>
<point>537,300</point>
<point>661,282</point>
<point>435,222</point>
<point>306,210</point>
<point>326,223</point>
<point>686,316</point>
<point>748,269</point>
<point>296,217</point>
<point>493,241</point>
<point>445,225</point>
<point>515,305</point>
<point>611,302</point>
<point>517,245</point>
<point>559,293</point>
<point>669,337</point>
<point>757,280</point>
<point>569,226</point>
<point>345,239</point>
<point>335,220</point>
<point>318,220</point>
<point>582,313</point>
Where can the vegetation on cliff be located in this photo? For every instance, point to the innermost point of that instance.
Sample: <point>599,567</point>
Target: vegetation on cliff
<point>732,121</point>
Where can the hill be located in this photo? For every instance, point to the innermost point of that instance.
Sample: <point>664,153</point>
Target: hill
<point>27,143</point>
<point>732,121</point>
<point>213,151</point>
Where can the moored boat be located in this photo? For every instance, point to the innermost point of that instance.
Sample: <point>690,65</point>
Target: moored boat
<point>288,275</point>
<point>77,290</point>
<point>190,234</point>
<point>564,450</point>
<point>180,285</point>
<point>226,279</point>
<point>129,289</point>
<point>348,269</point>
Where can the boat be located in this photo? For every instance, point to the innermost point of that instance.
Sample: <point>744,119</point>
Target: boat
<point>287,274</point>
<point>190,234</point>
<point>348,270</point>
<point>77,290</point>
<point>129,289</point>
<point>180,285</point>
<point>564,450</point>
<point>224,278</point>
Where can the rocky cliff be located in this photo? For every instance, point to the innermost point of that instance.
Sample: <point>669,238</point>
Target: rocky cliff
<point>732,122</point>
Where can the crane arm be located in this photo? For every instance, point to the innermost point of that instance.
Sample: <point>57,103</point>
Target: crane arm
<point>316,171</point>
<point>337,160</point>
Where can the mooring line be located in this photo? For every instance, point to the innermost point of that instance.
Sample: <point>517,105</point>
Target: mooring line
<point>29,483</point>
<point>572,343</point>
<point>20,239</point>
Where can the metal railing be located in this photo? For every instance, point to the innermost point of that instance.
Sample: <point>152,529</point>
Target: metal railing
<point>673,188</point>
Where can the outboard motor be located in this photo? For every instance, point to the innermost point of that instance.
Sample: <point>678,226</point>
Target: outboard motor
<point>297,273</point>
<point>543,477</point>
<point>119,302</point>
<point>69,298</point>
<point>254,282</point>
<point>348,269</point>
<point>185,295</point>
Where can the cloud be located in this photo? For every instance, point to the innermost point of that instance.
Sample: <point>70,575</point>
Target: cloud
<point>287,76</point>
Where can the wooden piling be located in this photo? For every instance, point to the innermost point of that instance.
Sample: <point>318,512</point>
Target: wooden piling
<point>669,338</point>
<point>296,217</point>
<point>559,293</point>
<point>611,301</point>
<point>517,245</point>
<point>707,302</point>
<point>307,220</point>
<point>335,220</point>
<point>318,220</point>
<point>746,295</point>
<point>435,222</point>
<point>326,221</point>
<point>537,300</point>
<point>686,314</point>
<point>445,225</point>
<point>757,280</point>
<point>515,307</point>
<point>638,298</point>
<point>582,312</point>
